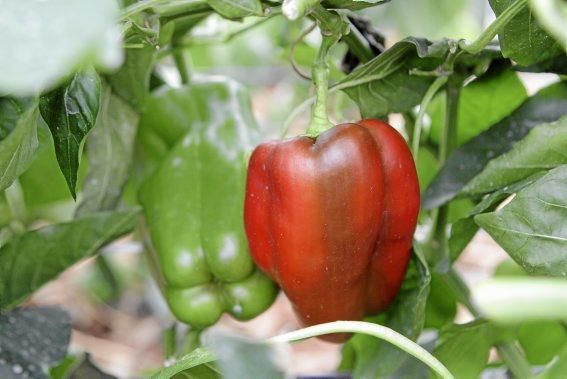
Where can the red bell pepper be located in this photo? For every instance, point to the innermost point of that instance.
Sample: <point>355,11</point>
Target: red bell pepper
<point>331,218</point>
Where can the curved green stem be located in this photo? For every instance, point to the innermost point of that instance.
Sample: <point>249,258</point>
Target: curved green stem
<point>431,91</point>
<point>489,33</point>
<point>371,329</point>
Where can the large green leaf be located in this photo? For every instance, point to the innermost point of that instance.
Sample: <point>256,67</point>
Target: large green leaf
<point>110,147</point>
<point>464,349</point>
<point>377,358</point>
<point>70,112</point>
<point>18,144</point>
<point>464,229</point>
<point>482,103</point>
<point>490,202</point>
<point>31,340</point>
<point>522,39</point>
<point>531,228</point>
<point>43,41</point>
<point>32,259</point>
<point>544,148</point>
<point>397,79</point>
<point>392,88</point>
<point>470,159</point>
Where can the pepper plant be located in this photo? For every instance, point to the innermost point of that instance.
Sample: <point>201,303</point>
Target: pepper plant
<point>106,131</point>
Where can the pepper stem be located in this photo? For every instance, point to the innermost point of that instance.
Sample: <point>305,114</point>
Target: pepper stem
<point>332,28</point>
<point>320,74</point>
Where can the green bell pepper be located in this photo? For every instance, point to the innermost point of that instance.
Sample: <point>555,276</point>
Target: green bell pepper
<point>193,201</point>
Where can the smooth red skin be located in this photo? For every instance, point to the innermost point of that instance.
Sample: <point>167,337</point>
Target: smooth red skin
<point>331,220</point>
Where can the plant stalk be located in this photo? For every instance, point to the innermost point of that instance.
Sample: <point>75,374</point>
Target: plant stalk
<point>332,28</point>
<point>489,33</point>
<point>431,91</point>
<point>320,74</point>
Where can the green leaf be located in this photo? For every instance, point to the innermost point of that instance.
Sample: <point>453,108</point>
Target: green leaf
<point>30,260</point>
<point>31,340</point>
<point>86,369</point>
<point>541,150</point>
<point>18,144</point>
<point>482,103</point>
<point>110,147</point>
<point>492,200</point>
<point>555,65</point>
<point>522,39</point>
<point>384,85</point>
<point>427,165</point>
<point>552,15</point>
<point>61,370</point>
<point>70,112</point>
<point>406,315</point>
<point>531,228</point>
<point>39,192</point>
<point>441,305</point>
<point>464,349</point>
<point>542,340</point>
<point>470,159</point>
<point>237,8</point>
<point>462,232</point>
<point>44,41</point>
<point>244,358</point>
<point>132,81</point>
<point>198,359</point>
